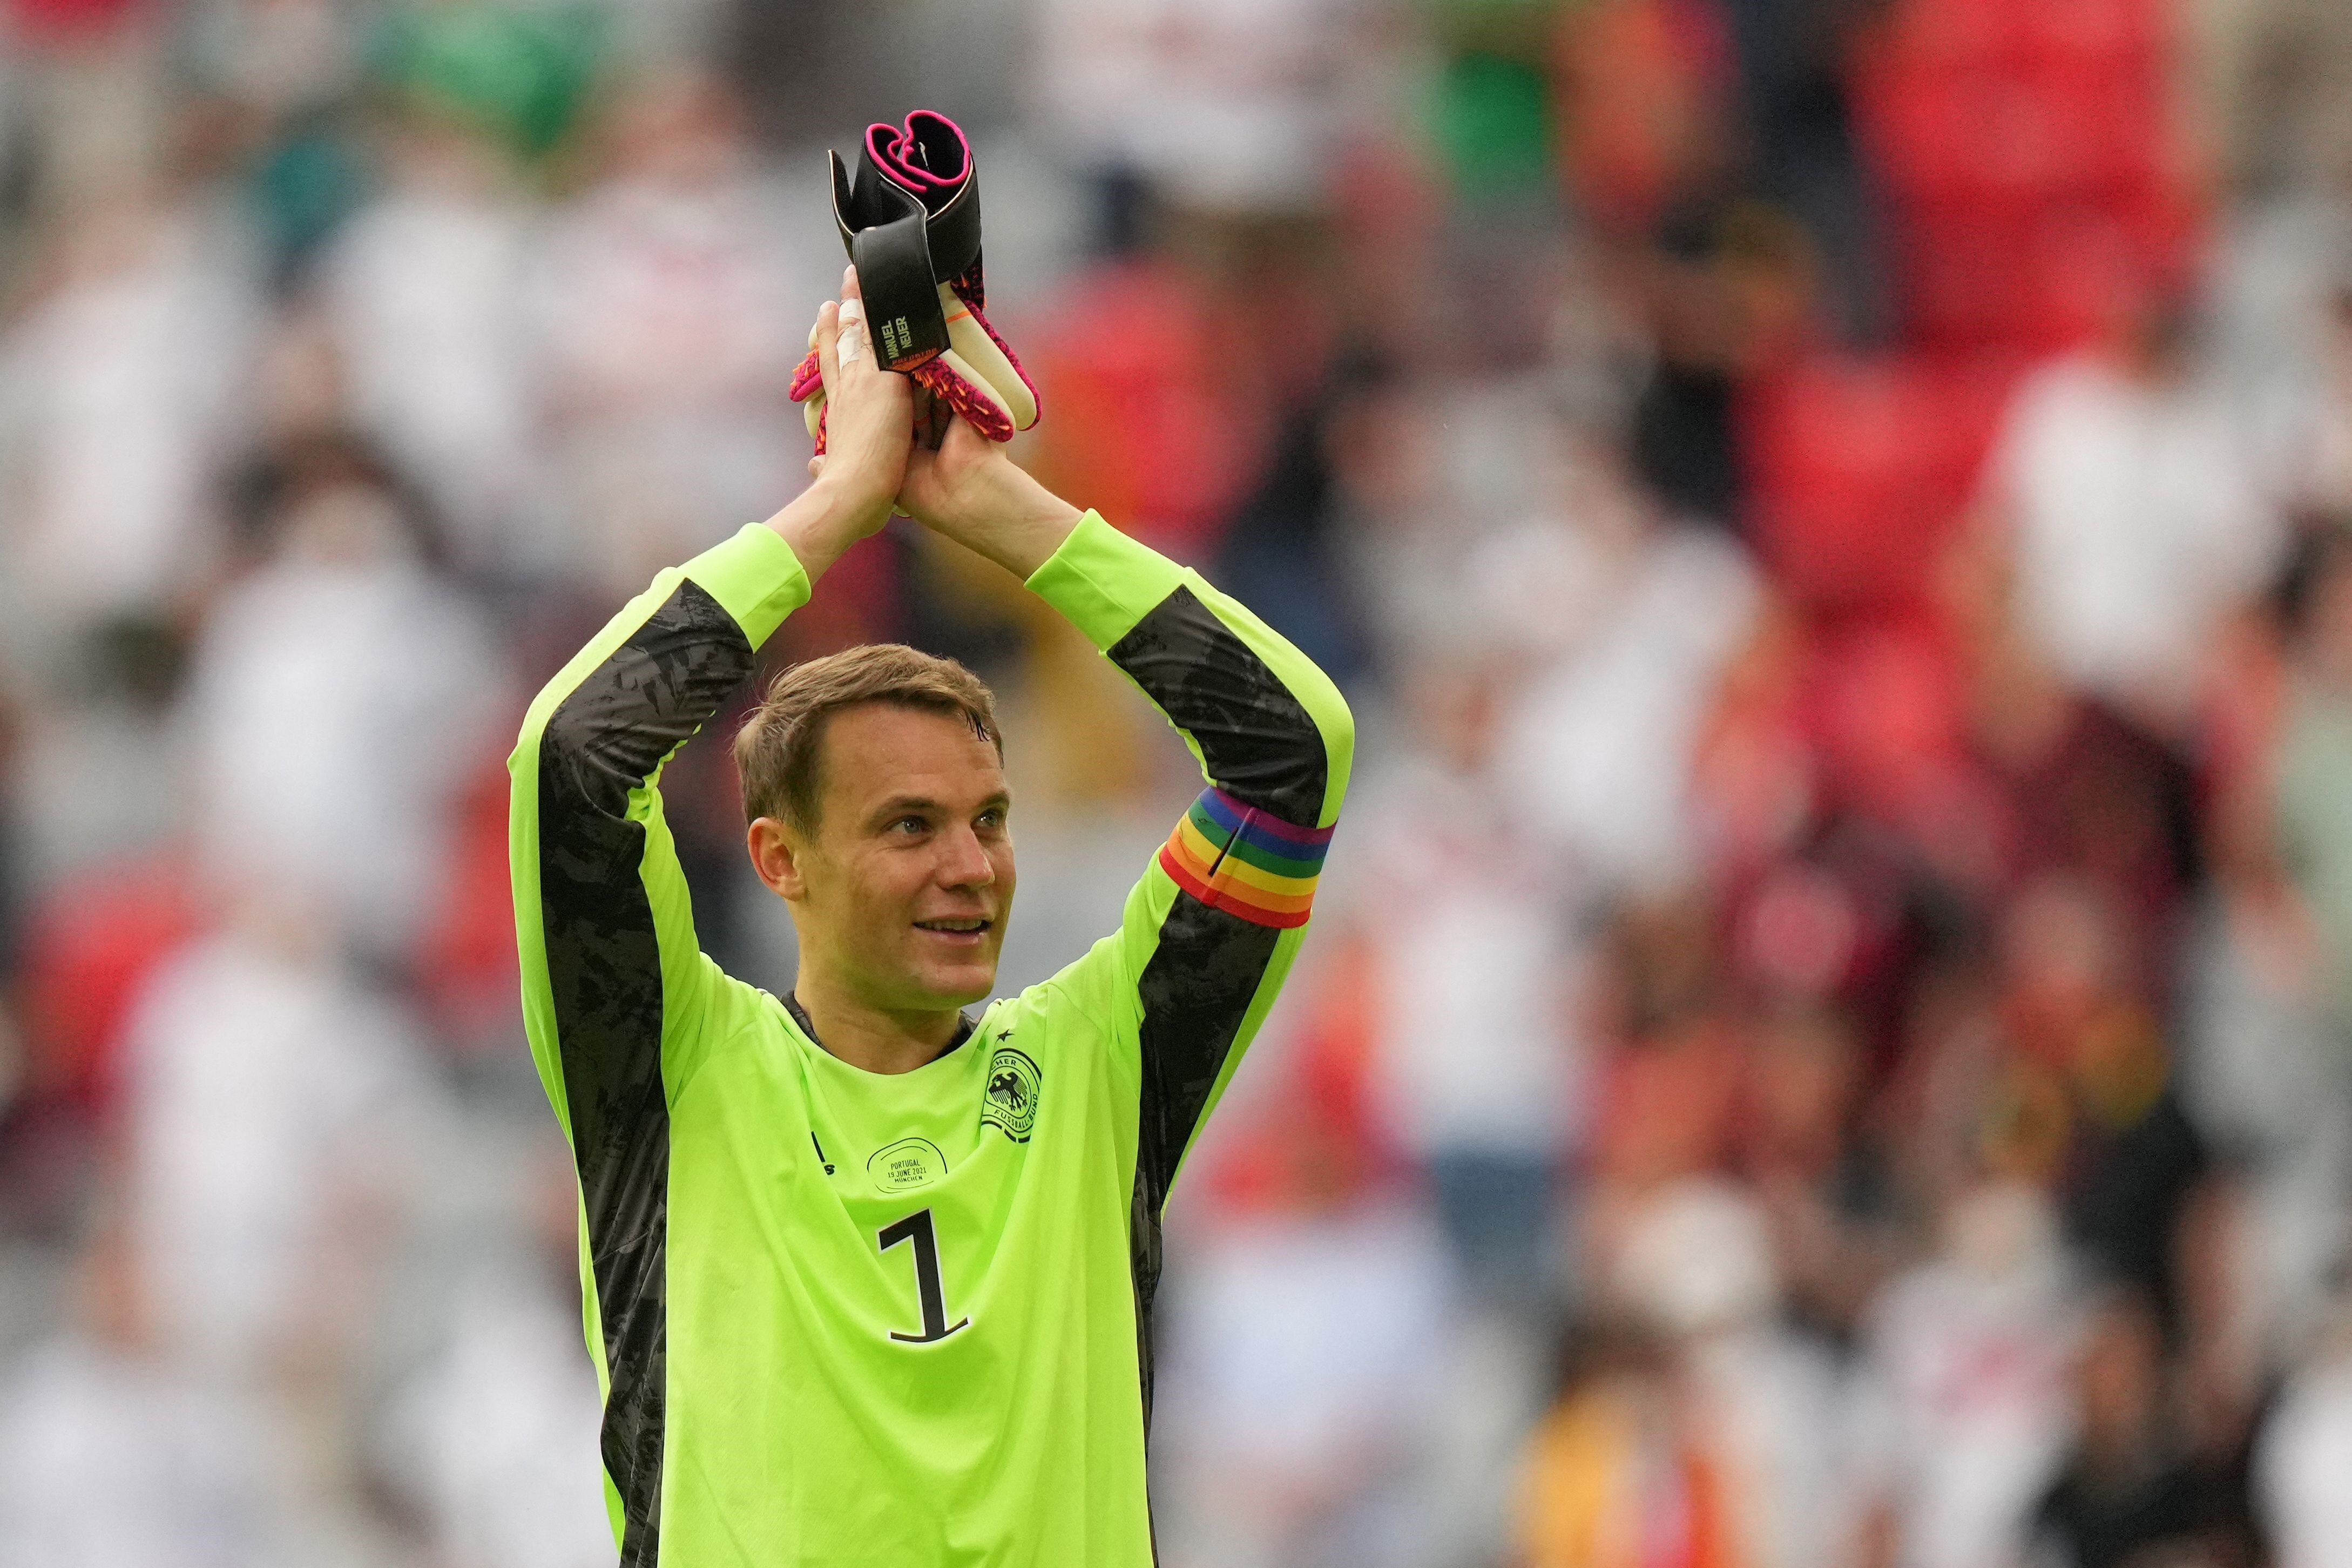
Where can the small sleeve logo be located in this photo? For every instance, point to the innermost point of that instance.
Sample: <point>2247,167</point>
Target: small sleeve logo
<point>1010,1104</point>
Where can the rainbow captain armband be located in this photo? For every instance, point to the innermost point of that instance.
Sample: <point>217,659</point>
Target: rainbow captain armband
<point>1245,862</point>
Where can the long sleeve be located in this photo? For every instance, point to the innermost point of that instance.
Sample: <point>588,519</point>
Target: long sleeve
<point>1210,931</point>
<point>614,987</point>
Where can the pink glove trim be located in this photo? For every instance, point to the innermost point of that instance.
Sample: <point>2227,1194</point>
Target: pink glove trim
<point>808,380</point>
<point>981,412</point>
<point>889,144</point>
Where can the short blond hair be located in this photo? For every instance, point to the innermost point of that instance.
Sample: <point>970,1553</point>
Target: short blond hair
<point>780,746</point>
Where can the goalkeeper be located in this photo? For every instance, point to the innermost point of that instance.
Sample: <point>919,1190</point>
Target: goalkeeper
<point>869,1280</point>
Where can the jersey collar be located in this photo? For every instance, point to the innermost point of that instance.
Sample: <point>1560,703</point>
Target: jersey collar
<point>964,1027</point>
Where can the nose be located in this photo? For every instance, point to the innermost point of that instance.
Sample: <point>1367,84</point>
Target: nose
<point>963,862</point>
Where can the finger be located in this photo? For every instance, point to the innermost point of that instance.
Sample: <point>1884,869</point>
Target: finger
<point>816,466</point>
<point>852,311</point>
<point>851,346</point>
<point>828,336</point>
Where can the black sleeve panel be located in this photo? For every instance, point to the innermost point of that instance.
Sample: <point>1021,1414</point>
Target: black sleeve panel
<point>1257,742</point>
<point>605,971</point>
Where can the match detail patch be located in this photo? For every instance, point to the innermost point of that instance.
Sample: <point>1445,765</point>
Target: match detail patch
<point>1235,858</point>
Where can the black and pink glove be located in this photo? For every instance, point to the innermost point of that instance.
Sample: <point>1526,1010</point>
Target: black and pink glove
<point>910,222</point>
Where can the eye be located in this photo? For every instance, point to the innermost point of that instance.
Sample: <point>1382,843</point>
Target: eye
<point>910,826</point>
<point>990,819</point>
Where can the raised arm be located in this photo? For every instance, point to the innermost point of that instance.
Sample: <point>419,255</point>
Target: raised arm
<point>614,986</point>
<point>1209,933</point>
<point>613,979</point>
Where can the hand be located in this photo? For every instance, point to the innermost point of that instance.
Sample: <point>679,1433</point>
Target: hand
<point>970,491</point>
<point>869,412</point>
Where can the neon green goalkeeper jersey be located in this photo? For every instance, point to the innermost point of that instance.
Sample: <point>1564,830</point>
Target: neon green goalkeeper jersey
<point>847,1318</point>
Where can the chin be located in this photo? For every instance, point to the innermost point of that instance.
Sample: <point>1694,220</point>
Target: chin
<point>956,985</point>
<point>976,989</point>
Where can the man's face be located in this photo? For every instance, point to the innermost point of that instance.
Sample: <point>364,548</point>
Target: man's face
<point>904,884</point>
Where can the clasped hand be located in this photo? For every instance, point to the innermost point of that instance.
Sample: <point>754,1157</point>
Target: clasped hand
<point>889,444</point>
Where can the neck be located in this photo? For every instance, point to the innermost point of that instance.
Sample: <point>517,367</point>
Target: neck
<point>878,1039</point>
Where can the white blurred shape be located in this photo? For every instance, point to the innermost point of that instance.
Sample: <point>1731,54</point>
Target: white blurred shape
<point>120,395</point>
<point>1223,103</point>
<point>2138,525</point>
<point>1297,1382</point>
<point>495,1438</point>
<point>1696,1260</point>
<point>109,1461</point>
<point>337,700</point>
<point>1599,747</point>
<point>425,294</point>
<point>1964,1407</point>
<point>267,1095</point>
<point>671,308</point>
<point>1472,936</point>
<point>2302,1467</point>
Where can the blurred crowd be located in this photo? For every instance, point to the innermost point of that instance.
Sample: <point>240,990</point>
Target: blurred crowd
<point>1829,1035</point>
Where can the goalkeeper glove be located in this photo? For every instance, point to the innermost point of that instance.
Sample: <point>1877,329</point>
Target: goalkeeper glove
<point>910,222</point>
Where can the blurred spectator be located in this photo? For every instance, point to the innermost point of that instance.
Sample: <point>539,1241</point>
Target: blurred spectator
<point>2127,1493</point>
<point>124,384</point>
<point>2271,1076</point>
<point>2320,476</point>
<point>2099,1111</point>
<point>424,291</point>
<point>336,703</point>
<point>669,311</point>
<point>2060,784</point>
<point>274,1108</point>
<point>2305,1449</point>
<point>277,57</point>
<point>1822,1189</point>
<point>2122,485</point>
<point>2279,76</point>
<point>2264,1079</point>
<point>1964,1414</point>
<point>1308,1441</point>
<point>1230,106</point>
<point>1616,1475</point>
<point>1694,1264</point>
<point>98,770</point>
<point>1791,57</point>
<point>90,945</point>
<point>110,1454</point>
<point>1629,621</point>
<point>1146,410</point>
<point>1477,1062</point>
<point>1724,293</point>
<point>87,100</point>
<point>494,1440</point>
<point>2315,824</point>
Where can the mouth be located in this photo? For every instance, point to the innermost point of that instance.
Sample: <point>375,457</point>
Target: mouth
<point>967,932</point>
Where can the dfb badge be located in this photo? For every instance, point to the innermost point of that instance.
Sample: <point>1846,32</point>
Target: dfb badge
<point>1010,1104</point>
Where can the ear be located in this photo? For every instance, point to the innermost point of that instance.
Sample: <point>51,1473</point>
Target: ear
<point>777,853</point>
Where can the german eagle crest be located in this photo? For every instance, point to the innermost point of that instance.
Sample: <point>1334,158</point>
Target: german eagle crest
<point>1010,1102</point>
